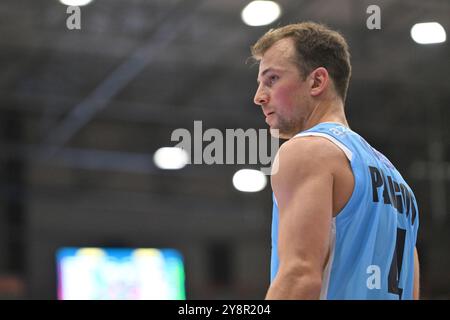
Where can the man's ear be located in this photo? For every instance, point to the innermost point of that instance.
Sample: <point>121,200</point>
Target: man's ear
<point>319,81</point>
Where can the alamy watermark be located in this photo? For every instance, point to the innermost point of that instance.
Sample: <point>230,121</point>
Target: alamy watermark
<point>374,20</point>
<point>74,20</point>
<point>236,146</point>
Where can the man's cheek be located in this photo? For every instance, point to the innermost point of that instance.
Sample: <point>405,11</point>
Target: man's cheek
<point>282,100</point>
<point>285,94</point>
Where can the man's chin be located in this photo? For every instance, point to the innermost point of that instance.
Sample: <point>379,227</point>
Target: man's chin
<point>277,134</point>
<point>274,132</point>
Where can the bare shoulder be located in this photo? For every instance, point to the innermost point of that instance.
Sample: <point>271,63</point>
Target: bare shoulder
<point>306,169</point>
<point>310,152</point>
<point>308,166</point>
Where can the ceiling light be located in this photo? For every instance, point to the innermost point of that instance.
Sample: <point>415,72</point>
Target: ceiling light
<point>260,13</point>
<point>170,158</point>
<point>248,180</point>
<point>76,3</point>
<point>428,32</point>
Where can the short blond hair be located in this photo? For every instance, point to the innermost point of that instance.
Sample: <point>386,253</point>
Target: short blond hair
<point>316,46</point>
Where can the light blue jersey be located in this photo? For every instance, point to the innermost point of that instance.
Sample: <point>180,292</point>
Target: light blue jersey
<point>374,235</point>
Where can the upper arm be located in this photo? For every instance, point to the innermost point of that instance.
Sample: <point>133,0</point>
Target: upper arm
<point>303,187</point>
<point>416,292</point>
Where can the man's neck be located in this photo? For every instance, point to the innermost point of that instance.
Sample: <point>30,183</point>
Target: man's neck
<point>326,111</point>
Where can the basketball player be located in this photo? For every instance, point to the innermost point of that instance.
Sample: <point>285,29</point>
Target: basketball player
<point>345,221</point>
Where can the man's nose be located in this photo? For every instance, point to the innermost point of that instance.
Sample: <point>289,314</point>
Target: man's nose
<point>261,97</point>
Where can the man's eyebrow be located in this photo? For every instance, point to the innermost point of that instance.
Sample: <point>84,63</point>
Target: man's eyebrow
<point>264,72</point>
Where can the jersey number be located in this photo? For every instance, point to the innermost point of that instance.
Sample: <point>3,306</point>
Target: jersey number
<point>396,264</point>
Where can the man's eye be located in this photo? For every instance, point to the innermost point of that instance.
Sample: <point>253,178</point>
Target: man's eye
<point>273,79</point>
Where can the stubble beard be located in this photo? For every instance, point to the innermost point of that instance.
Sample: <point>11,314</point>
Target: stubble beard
<point>285,128</point>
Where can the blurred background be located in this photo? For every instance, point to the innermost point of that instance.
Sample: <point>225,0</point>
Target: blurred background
<point>83,112</point>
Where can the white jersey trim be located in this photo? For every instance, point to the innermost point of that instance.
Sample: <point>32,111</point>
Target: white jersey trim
<point>346,150</point>
<point>327,271</point>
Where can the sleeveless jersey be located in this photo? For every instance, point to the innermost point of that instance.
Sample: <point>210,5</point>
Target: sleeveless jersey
<point>373,237</point>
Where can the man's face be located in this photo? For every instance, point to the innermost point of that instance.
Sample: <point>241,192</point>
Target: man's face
<point>282,93</point>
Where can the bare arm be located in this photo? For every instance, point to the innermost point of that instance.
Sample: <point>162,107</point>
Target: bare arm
<point>303,187</point>
<point>416,293</point>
